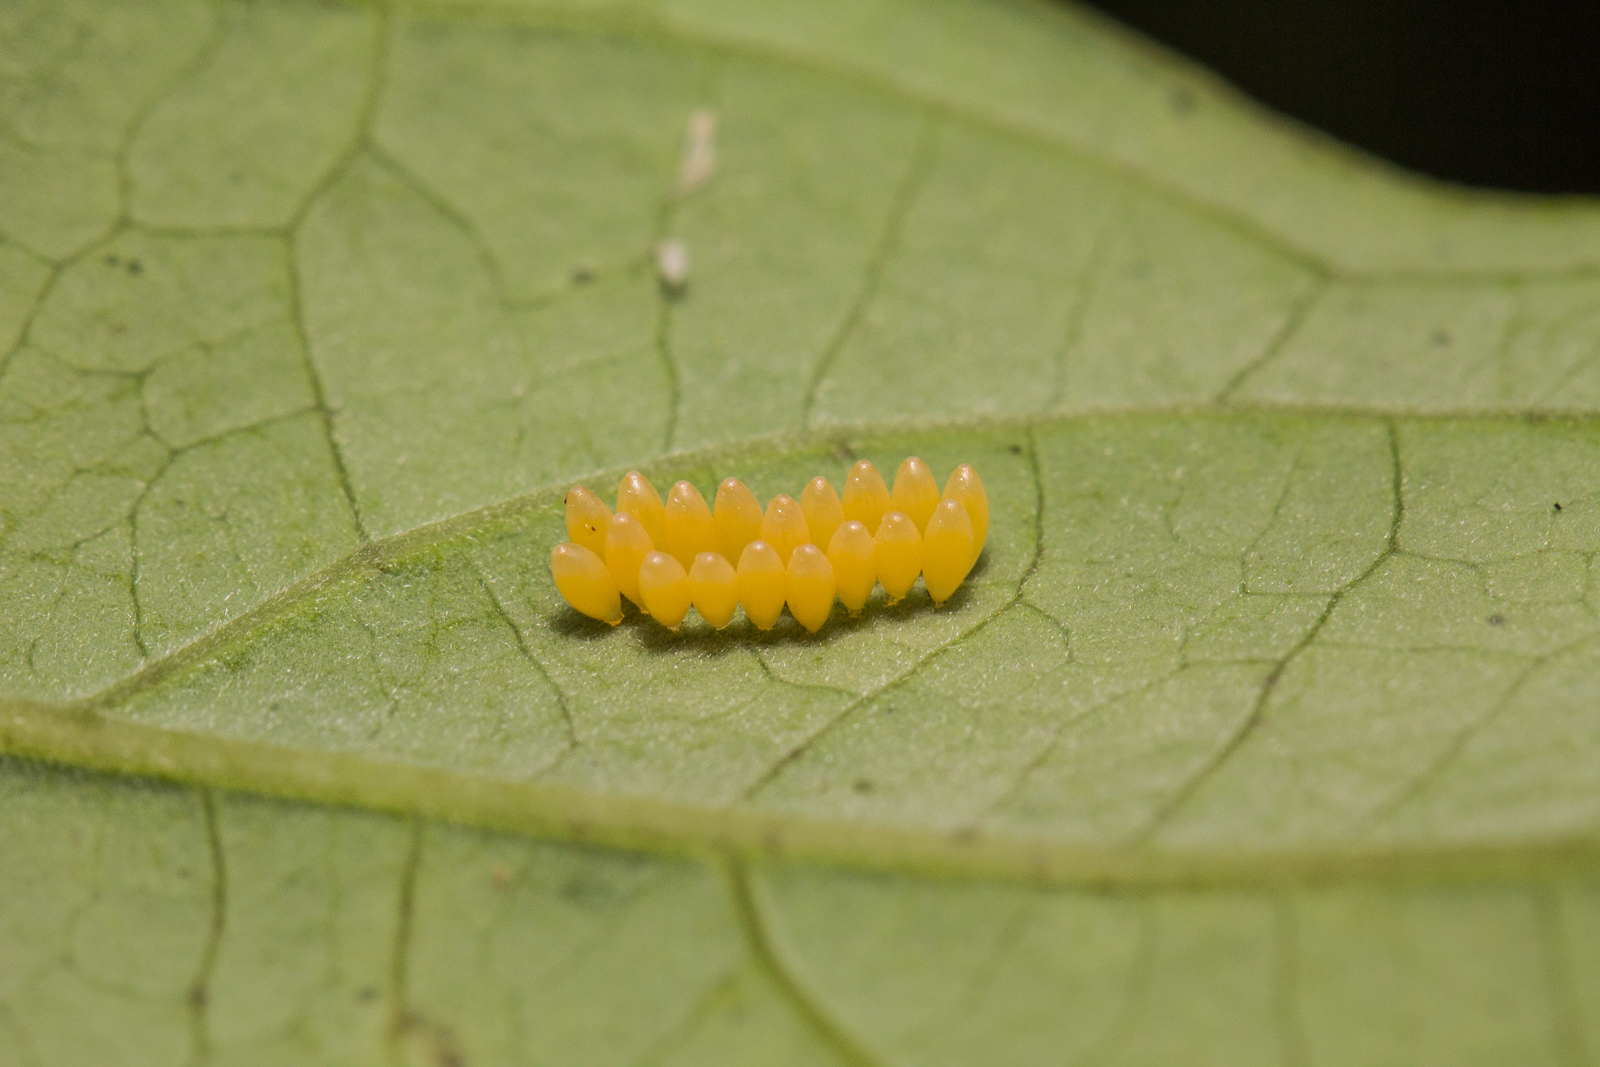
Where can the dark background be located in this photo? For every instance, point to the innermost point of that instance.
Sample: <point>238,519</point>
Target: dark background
<point>1493,93</point>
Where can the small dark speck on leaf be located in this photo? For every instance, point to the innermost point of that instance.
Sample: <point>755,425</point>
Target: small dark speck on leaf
<point>1183,100</point>
<point>1440,338</point>
<point>135,267</point>
<point>436,1043</point>
<point>183,872</point>
<point>1015,450</point>
<point>587,892</point>
<point>111,260</point>
<point>367,993</point>
<point>582,276</point>
<point>863,786</point>
<point>199,996</point>
<point>1497,620</point>
<point>1557,505</point>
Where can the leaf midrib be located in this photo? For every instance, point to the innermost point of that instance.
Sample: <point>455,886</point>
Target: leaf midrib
<point>583,817</point>
<point>86,733</point>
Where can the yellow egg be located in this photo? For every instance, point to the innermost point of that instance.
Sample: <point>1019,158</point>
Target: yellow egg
<point>627,544</point>
<point>855,571</point>
<point>761,584</point>
<point>667,557</point>
<point>665,589</point>
<point>584,582</point>
<point>736,518</point>
<point>915,491</point>
<point>784,526</point>
<point>639,498</point>
<point>865,498</point>
<point>688,524</point>
<point>587,519</point>
<point>965,485</point>
<point>946,550</point>
<point>714,588</point>
<point>897,551</point>
<point>822,509</point>
<point>808,586</point>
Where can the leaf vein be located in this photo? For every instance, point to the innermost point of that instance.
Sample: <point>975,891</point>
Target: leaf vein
<point>527,653</point>
<point>1299,310</point>
<point>918,169</point>
<point>200,988</point>
<point>1180,796</point>
<point>757,929</point>
<point>805,744</point>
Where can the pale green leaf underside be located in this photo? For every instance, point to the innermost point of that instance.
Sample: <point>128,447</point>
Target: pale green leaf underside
<point>310,314</point>
<point>190,927</point>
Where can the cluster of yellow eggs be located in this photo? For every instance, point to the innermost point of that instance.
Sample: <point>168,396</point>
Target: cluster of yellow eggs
<point>667,557</point>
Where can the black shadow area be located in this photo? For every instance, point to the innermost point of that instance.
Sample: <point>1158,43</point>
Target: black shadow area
<point>1497,93</point>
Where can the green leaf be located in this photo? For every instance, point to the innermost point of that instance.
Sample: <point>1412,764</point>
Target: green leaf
<point>1264,731</point>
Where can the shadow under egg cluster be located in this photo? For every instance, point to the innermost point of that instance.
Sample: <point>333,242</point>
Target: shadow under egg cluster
<point>667,557</point>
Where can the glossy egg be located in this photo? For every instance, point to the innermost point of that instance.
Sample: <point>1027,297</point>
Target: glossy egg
<point>587,519</point>
<point>784,526</point>
<point>761,584</point>
<point>965,485</point>
<point>627,544</point>
<point>735,518</point>
<point>637,497</point>
<point>855,571</point>
<point>670,556</point>
<point>714,588</point>
<point>897,551</point>
<point>915,491</point>
<point>688,524</point>
<point>664,588</point>
<point>584,582</point>
<point>946,550</point>
<point>808,587</point>
<point>823,510</point>
<point>865,497</point>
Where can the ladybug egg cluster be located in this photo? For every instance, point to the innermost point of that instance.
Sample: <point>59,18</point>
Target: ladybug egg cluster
<point>669,557</point>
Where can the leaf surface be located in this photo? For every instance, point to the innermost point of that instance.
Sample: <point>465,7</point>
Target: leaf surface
<point>1279,668</point>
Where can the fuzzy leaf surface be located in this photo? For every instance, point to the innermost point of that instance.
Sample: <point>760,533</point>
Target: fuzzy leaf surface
<point>1280,667</point>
